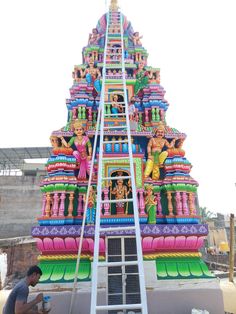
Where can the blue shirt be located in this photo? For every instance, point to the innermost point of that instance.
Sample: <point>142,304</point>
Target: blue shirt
<point>19,293</point>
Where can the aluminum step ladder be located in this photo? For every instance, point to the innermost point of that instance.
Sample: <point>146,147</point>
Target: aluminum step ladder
<point>114,18</point>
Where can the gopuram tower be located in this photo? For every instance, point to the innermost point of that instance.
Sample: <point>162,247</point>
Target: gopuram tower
<point>118,189</point>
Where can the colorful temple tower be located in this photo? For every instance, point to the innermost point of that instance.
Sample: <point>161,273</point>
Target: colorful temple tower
<point>166,194</point>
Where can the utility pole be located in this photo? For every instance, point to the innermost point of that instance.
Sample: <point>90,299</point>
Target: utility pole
<point>231,252</point>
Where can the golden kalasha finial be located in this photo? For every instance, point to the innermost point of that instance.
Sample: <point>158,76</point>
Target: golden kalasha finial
<point>114,5</point>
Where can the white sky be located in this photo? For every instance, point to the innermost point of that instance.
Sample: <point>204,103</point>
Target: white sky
<point>192,41</point>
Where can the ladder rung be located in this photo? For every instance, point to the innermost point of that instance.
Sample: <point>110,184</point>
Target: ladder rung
<point>115,158</point>
<point>115,83</point>
<point>112,62</point>
<point>112,93</point>
<point>114,115</point>
<point>114,54</point>
<point>119,103</point>
<point>116,178</point>
<point>115,142</point>
<point>118,78</point>
<point>114,264</point>
<point>119,307</point>
<point>118,228</point>
<point>114,39</point>
<point>116,66</point>
<point>115,127</point>
<point>123,106</point>
<point>123,200</point>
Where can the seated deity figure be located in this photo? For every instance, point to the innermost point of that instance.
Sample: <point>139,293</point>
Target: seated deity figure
<point>150,204</point>
<point>115,106</point>
<point>83,152</point>
<point>92,75</point>
<point>121,192</point>
<point>94,37</point>
<point>136,39</point>
<point>156,155</point>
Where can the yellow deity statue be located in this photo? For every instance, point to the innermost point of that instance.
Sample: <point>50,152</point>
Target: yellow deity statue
<point>156,156</point>
<point>114,5</point>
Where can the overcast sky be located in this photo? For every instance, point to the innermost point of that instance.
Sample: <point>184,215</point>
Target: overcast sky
<point>193,43</point>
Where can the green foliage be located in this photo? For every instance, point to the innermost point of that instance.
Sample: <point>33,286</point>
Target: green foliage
<point>205,214</point>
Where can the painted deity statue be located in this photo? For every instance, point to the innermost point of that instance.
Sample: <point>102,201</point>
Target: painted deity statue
<point>136,39</point>
<point>90,218</point>
<point>83,152</point>
<point>115,106</point>
<point>55,142</point>
<point>114,5</point>
<point>94,37</point>
<point>121,192</point>
<point>150,204</point>
<point>141,77</point>
<point>133,114</point>
<point>156,156</point>
<point>92,75</point>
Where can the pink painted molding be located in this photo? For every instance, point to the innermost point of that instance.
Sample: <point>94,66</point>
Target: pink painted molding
<point>171,243</point>
<point>69,245</point>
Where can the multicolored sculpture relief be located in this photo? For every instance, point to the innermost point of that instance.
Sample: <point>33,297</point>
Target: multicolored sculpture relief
<point>91,210</point>
<point>166,193</point>
<point>83,152</point>
<point>156,155</point>
<point>136,39</point>
<point>150,204</point>
<point>94,37</point>
<point>92,75</point>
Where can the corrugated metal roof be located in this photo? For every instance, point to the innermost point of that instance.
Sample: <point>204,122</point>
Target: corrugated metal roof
<point>13,158</point>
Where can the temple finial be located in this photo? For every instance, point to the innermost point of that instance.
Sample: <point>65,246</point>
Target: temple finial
<point>114,5</point>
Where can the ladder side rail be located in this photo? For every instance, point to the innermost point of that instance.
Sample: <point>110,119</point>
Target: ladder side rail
<point>135,204</point>
<point>86,205</point>
<point>99,186</point>
<point>85,213</point>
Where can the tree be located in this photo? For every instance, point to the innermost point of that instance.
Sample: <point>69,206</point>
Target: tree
<point>206,214</point>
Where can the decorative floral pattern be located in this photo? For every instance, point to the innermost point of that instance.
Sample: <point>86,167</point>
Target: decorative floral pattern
<point>145,230</point>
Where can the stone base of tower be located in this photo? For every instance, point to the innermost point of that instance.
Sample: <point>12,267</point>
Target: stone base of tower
<point>181,297</point>
<point>163,296</point>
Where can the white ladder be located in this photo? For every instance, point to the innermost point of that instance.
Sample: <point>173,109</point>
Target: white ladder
<point>115,17</point>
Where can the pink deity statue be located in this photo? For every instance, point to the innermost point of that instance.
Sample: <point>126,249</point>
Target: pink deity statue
<point>94,37</point>
<point>83,152</point>
<point>136,39</point>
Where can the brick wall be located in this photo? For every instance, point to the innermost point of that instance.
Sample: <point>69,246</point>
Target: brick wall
<point>21,254</point>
